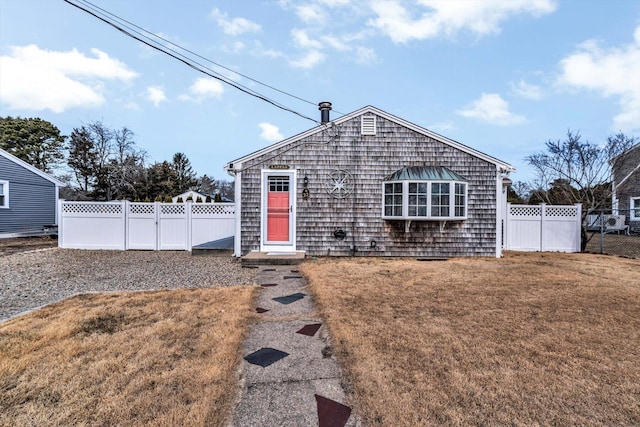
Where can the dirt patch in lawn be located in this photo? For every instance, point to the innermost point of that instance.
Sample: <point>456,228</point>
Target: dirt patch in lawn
<point>24,244</point>
<point>139,359</point>
<point>530,339</point>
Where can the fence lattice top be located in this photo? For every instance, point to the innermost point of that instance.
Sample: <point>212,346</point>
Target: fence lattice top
<point>550,211</point>
<point>92,208</point>
<point>172,209</point>
<point>525,210</point>
<point>212,209</point>
<point>142,208</point>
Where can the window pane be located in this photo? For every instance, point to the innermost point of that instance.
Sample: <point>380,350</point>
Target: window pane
<point>388,188</point>
<point>388,210</point>
<point>388,199</point>
<point>413,187</point>
<point>412,211</point>
<point>422,187</point>
<point>412,200</point>
<point>397,187</point>
<point>397,200</point>
<point>397,211</point>
<point>422,211</point>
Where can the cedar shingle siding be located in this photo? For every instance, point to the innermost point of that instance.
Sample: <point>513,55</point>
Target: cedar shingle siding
<point>369,159</point>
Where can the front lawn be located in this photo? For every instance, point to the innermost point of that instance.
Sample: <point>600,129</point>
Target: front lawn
<point>164,358</point>
<point>530,339</point>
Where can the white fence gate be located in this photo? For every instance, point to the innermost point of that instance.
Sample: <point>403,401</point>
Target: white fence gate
<point>543,228</point>
<point>143,226</point>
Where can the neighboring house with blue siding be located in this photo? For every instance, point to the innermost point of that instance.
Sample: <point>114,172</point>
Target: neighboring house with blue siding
<point>28,196</point>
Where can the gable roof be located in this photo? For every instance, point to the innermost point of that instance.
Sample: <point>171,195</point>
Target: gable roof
<point>31,168</point>
<point>503,166</point>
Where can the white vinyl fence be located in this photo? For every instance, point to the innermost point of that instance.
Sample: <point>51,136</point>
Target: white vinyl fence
<point>143,226</point>
<point>543,228</point>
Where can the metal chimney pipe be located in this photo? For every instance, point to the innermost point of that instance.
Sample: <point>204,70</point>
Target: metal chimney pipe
<point>324,108</point>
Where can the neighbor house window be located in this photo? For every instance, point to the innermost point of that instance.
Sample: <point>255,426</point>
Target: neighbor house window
<point>634,205</point>
<point>4,194</point>
<point>424,193</point>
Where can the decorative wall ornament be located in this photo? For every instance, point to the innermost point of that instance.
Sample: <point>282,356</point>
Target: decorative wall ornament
<point>339,184</point>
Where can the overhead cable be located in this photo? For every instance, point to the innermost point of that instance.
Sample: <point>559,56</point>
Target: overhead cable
<point>87,6</point>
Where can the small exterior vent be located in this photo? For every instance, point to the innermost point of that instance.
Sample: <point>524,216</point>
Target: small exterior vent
<point>368,125</point>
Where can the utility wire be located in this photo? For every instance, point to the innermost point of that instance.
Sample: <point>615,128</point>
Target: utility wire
<point>194,53</point>
<point>187,61</point>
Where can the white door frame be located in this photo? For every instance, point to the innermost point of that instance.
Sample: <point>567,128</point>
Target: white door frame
<point>280,246</point>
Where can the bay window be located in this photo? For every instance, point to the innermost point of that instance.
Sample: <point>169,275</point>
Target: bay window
<point>425,193</point>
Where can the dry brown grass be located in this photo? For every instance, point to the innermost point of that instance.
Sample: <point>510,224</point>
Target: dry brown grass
<point>530,339</point>
<point>163,358</point>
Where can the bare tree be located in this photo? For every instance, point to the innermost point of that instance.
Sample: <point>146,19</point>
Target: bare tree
<point>573,171</point>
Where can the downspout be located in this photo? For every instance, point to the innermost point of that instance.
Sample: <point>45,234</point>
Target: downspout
<point>237,239</point>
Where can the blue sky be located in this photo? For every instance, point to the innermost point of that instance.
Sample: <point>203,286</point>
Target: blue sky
<point>502,76</point>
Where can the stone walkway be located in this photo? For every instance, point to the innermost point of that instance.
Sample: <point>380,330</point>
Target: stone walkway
<point>288,375</point>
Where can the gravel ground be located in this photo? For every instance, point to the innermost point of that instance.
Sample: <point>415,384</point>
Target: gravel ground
<point>33,279</point>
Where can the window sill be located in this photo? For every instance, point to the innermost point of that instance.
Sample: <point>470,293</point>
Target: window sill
<point>425,218</point>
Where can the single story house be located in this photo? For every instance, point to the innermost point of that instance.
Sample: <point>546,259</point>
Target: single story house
<point>28,196</point>
<point>369,184</point>
<point>626,186</point>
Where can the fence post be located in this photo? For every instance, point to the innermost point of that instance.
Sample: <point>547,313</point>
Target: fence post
<point>505,227</point>
<point>188,225</point>
<point>579,221</point>
<point>126,224</point>
<point>543,215</point>
<point>60,226</point>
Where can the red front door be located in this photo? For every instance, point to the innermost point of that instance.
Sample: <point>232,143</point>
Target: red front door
<point>278,209</point>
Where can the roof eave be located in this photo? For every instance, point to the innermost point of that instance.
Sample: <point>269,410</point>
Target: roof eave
<point>31,168</point>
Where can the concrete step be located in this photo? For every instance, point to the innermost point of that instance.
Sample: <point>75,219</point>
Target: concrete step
<point>253,259</point>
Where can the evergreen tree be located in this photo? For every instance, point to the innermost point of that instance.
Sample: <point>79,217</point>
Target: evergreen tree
<point>36,141</point>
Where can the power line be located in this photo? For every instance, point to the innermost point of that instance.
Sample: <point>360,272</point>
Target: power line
<point>195,53</point>
<point>182,58</point>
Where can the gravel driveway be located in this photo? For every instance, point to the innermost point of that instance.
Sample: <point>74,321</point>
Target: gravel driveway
<point>30,280</point>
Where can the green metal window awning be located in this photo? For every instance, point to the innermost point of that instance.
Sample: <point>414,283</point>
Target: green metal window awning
<point>424,173</point>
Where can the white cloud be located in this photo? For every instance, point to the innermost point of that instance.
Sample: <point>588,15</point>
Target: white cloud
<point>438,17</point>
<point>270,132</point>
<point>442,126</point>
<point>311,14</point>
<point>302,40</point>
<point>526,90</point>
<point>155,94</point>
<point>366,55</point>
<point>234,26</point>
<point>202,89</point>
<point>309,60</point>
<point>335,3</point>
<point>611,72</point>
<point>491,108</point>
<point>37,79</point>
